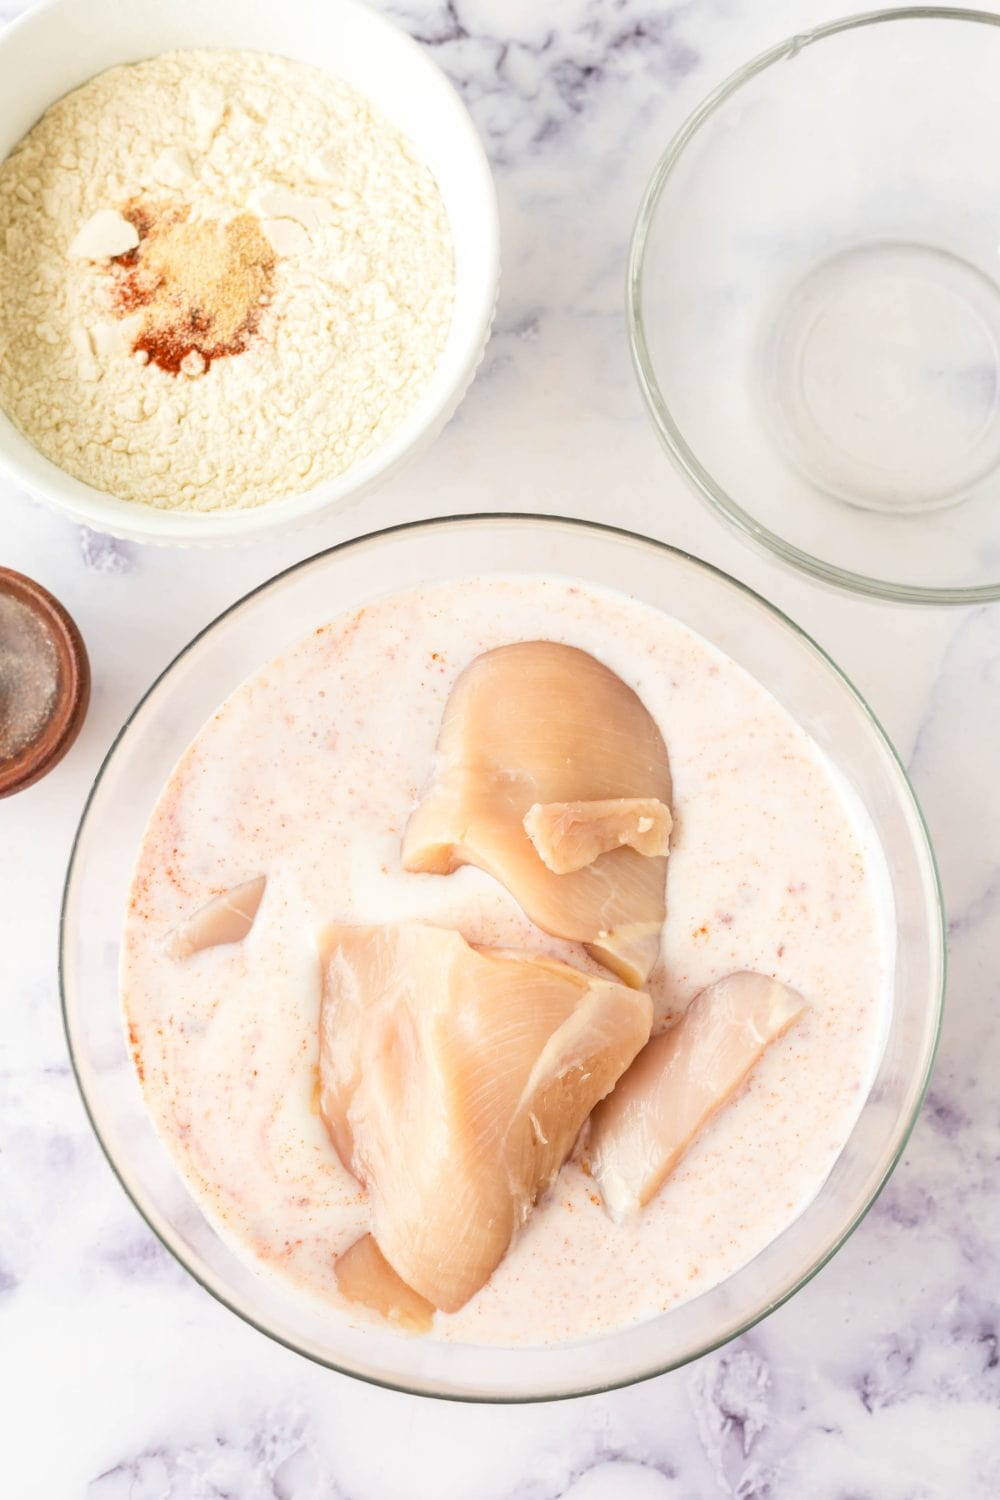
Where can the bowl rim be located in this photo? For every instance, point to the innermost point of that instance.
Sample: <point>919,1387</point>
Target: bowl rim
<point>667,429</point>
<point>938,936</point>
<point>137,521</point>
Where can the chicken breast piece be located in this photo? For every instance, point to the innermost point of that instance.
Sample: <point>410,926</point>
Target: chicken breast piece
<point>679,1081</point>
<point>570,835</point>
<point>454,1082</point>
<point>225,919</point>
<point>539,723</point>
<point>364,1275</point>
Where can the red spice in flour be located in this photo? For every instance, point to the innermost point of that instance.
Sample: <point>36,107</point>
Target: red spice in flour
<point>202,286</point>
<point>169,348</point>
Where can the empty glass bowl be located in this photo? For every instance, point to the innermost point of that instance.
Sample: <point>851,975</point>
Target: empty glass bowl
<point>814,303</point>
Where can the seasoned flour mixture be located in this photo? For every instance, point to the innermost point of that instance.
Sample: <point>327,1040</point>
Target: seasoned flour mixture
<point>308,775</point>
<point>224,277</point>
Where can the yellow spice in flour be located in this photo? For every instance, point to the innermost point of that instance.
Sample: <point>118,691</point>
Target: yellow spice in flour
<point>201,285</point>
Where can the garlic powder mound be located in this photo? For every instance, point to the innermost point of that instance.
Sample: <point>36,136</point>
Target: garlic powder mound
<point>224,278</point>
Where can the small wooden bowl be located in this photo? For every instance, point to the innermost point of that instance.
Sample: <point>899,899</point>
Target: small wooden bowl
<point>69,708</point>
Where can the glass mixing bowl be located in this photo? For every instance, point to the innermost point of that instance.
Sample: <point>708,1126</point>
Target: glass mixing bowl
<point>814,307</point>
<point>736,620</point>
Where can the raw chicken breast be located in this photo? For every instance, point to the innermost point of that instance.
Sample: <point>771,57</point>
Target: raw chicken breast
<point>454,1082</point>
<point>569,835</point>
<point>225,919</point>
<point>541,723</point>
<point>678,1081</point>
<point>364,1275</point>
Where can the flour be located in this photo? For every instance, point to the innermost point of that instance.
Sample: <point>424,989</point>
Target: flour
<point>107,359</point>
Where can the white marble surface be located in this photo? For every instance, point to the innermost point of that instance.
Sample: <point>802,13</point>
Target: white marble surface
<point>119,1378</point>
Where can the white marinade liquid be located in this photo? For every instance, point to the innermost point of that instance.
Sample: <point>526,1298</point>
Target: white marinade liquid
<point>308,774</point>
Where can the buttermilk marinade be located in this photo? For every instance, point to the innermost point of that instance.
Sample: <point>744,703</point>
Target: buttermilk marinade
<point>308,774</point>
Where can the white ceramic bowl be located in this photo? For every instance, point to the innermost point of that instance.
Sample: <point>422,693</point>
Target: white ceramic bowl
<point>61,43</point>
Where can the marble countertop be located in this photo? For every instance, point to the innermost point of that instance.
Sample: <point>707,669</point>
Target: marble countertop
<point>119,1378</point>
